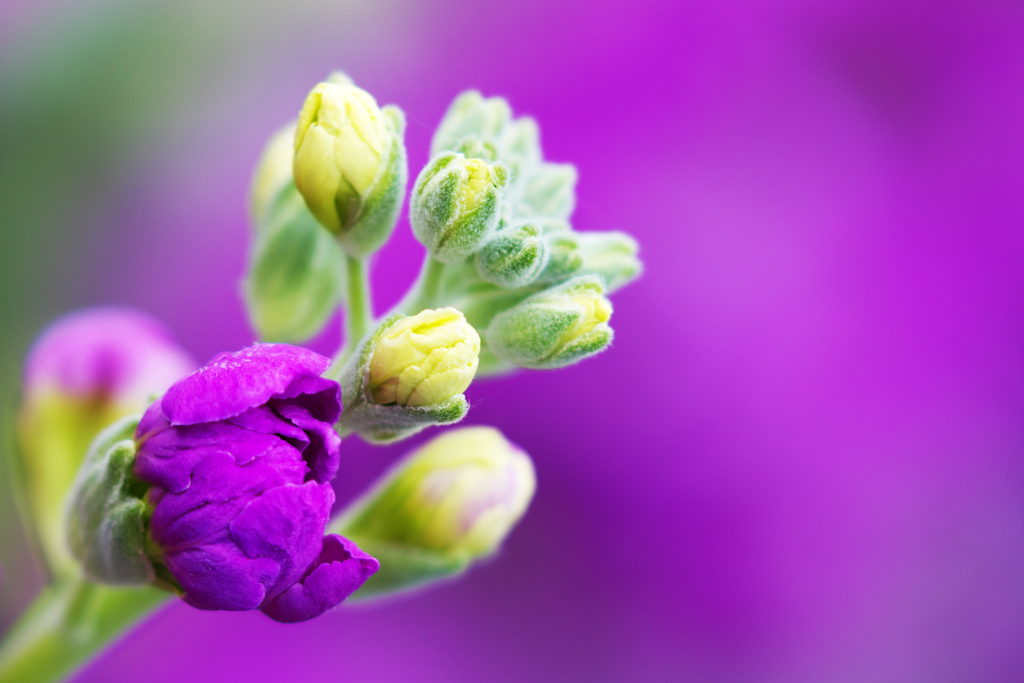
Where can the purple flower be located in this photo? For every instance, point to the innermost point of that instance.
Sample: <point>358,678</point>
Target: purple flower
<point>239,456</point>
<point>86,370</point>
<point>108,354</point>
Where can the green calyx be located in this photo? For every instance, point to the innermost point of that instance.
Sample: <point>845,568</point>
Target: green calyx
<point>106,514</point>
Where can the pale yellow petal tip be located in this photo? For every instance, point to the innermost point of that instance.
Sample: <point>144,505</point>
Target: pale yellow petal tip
<point>339,77</point>
<point>480,483</point>
<point>595,309</point>
<point>424,359</point>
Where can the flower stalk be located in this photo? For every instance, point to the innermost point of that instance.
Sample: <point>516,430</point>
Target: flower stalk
<point>359,309</point>
<point>68,624</point>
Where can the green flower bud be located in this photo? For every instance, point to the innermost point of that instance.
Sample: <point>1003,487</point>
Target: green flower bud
<point>550,190</point>
<point>447,504</point>
<point>457,205</point>
<point>471,116</point>
<point>554,328</point>
<point>519,148</point>
<point>273,173</point>
<point>521,141</point>
<point>475,148</point>
<point>350,164</point>
<point>296,273</point>
<point>565,260</point>
<point>424,359</point>
<point>514,257</point>
<point>612,255</point>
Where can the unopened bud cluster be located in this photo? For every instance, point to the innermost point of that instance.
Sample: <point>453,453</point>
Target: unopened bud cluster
<point>522,248</point>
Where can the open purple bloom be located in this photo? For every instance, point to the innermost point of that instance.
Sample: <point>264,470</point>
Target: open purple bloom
<point>239,456</point>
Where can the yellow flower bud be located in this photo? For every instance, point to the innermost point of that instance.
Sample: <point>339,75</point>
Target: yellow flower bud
<point>273,173</point>
<point>424,359</point>
<point>343,151</point>
<point>459,494</point>
<point>457,205</point>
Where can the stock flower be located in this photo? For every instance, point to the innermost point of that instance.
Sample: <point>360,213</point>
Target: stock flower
<point>239,456</point>
<point>86,370</point>
<point>424,359</point>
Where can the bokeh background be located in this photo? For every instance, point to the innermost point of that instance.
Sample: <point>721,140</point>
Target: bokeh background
<point>802,460</point>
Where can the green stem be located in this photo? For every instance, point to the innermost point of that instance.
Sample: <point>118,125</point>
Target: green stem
<point>424,294</point>
<point>359,308</point>
<point>68,623</point>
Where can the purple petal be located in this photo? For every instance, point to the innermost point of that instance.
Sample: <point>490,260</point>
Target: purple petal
<point>169,457</point>
<point>220,576</point>
<point>236,382</point>
<point>266,421</point>
<point>219,492</point>
<point>340,569</point>
<point>318,395</point>
<point>323,454</point>
<point>152,420</point>
<point>285,524</point>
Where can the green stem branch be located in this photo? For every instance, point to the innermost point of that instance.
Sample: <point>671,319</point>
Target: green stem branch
<point>359,307</point>
<point>68,624</point>
<point>425,293</point>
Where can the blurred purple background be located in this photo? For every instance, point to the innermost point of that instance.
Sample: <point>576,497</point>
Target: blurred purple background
<point>801,461</point>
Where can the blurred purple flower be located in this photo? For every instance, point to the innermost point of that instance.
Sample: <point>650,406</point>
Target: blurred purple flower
<point>85,371</point>
<point>107,354</point>
<point>239,455</point>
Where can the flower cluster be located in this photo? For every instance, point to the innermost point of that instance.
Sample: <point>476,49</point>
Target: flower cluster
<point>494,216</point>
<point>219,488</point>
